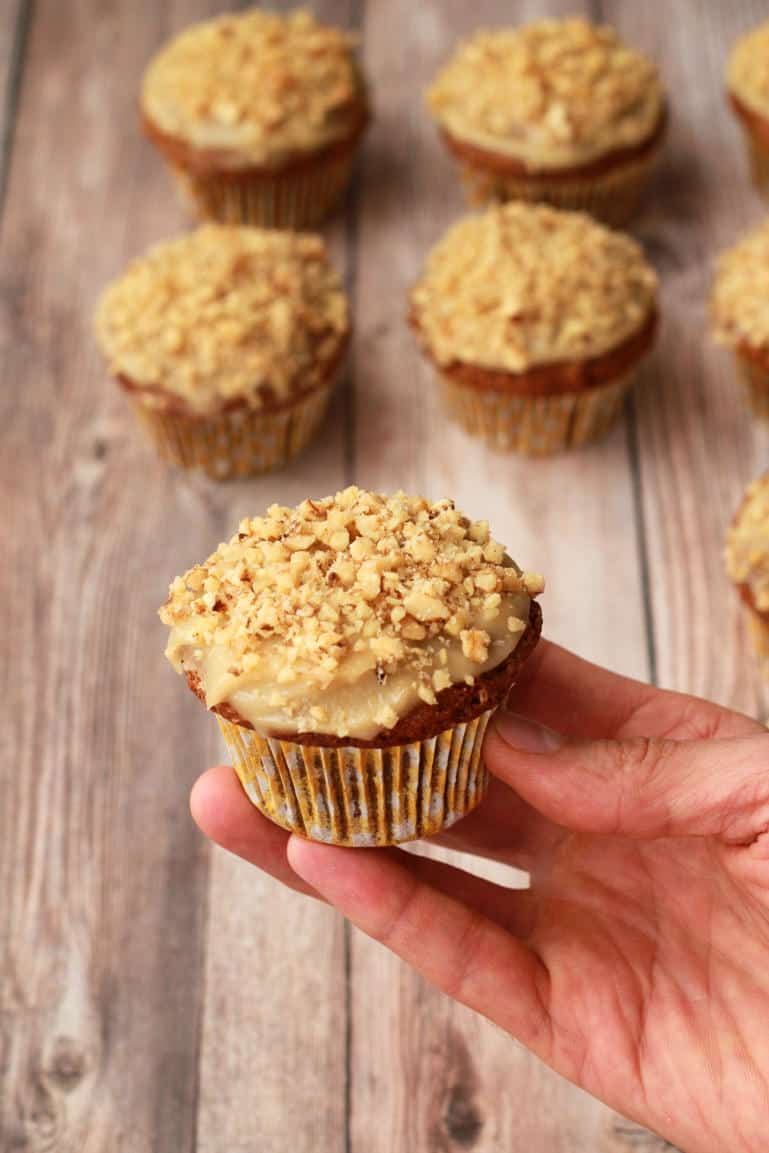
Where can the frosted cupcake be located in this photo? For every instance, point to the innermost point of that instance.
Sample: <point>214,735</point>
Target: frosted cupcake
<point>228,342</point>
<point>354,649</point>
<point>747,81</point>
<point>259,116</point>
<point>536,321</point>
<point>747,561</point>
<point>559,111</point>
<point>740,313</point>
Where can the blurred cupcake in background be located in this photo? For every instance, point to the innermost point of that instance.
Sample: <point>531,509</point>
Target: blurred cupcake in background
<point>740,312</point>
<point>228,342</point>
<point>259,116</point>
<point>354,649</point>
<point>559,111</point>
<point>747,562</point>
<point>747,83</point>
<point>536,321</point>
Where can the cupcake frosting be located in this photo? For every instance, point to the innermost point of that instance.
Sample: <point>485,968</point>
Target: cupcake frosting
<point>343,614</point>
<point>747,546</point>
<point>256,87</point>
<point>740,298</point>
<point>524,285</point>
<point>226,314</point>
<point>747,74</point>
<point>553,94</point>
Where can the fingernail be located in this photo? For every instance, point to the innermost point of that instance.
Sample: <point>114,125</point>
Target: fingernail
<point>525,735</point>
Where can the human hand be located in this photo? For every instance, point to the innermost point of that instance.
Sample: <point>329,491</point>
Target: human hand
<point>637,963</point>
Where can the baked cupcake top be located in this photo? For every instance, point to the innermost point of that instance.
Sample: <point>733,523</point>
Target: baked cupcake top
<point>343,614</point>
<point>747,73</point>
<point>747,546</point>
<point>226,315</point>
<point>523,285</point>
<point>257,87</point>
<point>554,94</point>
<point>739,302</point>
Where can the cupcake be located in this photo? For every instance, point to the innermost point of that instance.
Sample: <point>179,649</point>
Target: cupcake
<point>747,562</point>
<point>353,649</point>
<point>227,341</point>
<point>558,111</point>
<point>536,321</point>
<point>259,116</point>
<point>747,85</point>
<point>740,313</point>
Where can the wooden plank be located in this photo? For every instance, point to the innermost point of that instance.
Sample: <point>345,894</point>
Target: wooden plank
<point>427,1074</point>
<point>102,873</point>
<point>698,445</point>
<point>274,1024</point>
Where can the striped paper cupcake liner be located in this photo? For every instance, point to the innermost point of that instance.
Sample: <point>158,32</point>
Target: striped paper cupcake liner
<point>758,629</point>
<point>612,198</point>
<point>243,442</point>
<point>536,425</point>
<point>295,198</point>
<point>362,797</point>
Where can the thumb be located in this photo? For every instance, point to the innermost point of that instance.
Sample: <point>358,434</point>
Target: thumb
<point>640,787</point>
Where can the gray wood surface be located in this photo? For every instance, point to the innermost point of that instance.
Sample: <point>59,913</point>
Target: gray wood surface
<point>157,995</point>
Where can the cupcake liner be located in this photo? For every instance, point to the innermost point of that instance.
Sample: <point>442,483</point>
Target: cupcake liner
<point>358,796</point>
<point>758,629</point>
<point>296,197</point>
<point>758,159</point>
<point>242,442</point>
<point>536,425</point>
<point>755,380</point>
<point>611,197</point>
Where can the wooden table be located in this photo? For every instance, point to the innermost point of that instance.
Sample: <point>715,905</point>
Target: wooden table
<point>158,995</point>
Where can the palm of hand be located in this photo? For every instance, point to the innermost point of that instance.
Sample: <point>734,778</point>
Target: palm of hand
<point>655,994</point>
<point>636,963</point>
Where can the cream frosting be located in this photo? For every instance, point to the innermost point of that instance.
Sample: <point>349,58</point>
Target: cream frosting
<point>747,74</point>
<point>341,615</point>
<point>552,94</point>
<point>522,285</point>
<point>256,87</point>
<point>226,314</point>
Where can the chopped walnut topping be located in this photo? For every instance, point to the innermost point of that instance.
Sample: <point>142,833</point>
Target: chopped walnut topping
<point>740,299</point>
<point>257,85</point>
<point>747,73</point>
<point>525,284</point>
<point>747,546</point>
<point>254,592</point>
<point>553,92</point>
<point>258,314</point>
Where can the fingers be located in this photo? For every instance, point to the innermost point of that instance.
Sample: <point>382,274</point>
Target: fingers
<point>638,787</point>
<point>560,690</point>
<point>224,813</point>
<point>469,957</point>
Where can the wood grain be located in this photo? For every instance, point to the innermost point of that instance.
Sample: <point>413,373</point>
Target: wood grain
<point>103,876</point>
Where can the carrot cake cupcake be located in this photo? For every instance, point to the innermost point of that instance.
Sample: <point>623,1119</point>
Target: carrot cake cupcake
<point>740,312</point>
<point>747,85</point>
<point>536,321</point>
<point>747,561</point>
<point>259,116</point>
<point>227,341</point>
<point>353,649</point>
<point>559,111</point>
